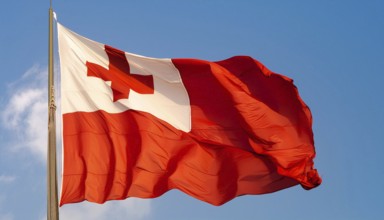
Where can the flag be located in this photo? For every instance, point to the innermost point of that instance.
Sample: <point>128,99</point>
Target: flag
<point>135,126</point>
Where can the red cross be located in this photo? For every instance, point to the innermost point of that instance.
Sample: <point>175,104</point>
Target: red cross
<point>122,80</point>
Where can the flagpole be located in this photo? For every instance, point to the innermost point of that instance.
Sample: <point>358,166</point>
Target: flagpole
<point>52,198</point>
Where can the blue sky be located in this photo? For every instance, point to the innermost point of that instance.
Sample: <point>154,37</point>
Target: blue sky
<point>332,49</point>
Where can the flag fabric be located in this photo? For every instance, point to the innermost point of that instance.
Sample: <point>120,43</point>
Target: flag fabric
<point>136,126</point>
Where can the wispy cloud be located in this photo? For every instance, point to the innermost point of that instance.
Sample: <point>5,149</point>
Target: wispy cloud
<point>130,208</point>
<point>7,179</point>
<point>25,113</point>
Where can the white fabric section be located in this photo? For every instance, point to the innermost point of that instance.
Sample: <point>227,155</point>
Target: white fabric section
<point>170,101</point>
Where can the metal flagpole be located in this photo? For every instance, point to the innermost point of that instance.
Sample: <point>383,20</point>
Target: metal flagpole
<point>52,198</point>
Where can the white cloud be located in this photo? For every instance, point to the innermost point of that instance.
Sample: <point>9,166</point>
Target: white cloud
<point>25,116</point>
<point>7,179</point>
<point>131,208</point>
<point>25,113</point>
